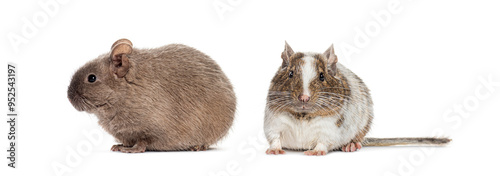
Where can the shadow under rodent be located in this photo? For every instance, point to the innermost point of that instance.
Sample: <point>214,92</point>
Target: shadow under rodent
<point>168,98</point>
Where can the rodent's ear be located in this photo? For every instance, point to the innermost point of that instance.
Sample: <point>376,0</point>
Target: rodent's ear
<point>331,60</point>
<point>286,54</point>
<point>119,59</point>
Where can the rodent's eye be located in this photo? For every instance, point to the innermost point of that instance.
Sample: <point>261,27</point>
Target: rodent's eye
<point>321,77</point>
<point>92,78</point>
<point>290,75</point>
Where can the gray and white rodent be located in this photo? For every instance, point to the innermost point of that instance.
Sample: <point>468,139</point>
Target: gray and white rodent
<point>168,98</point>
<point>318,105</point>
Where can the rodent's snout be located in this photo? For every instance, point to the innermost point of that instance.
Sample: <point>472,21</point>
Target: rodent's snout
<point>71,93</point>
<point>304,98</point>
<point>75,99</point>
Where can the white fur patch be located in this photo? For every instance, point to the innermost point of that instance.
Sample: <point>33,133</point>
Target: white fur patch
<point>308,73</point>
<point>305,134</point>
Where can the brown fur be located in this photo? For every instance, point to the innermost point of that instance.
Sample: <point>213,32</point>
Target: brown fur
<point>361,135</point>
<point>171,98</point>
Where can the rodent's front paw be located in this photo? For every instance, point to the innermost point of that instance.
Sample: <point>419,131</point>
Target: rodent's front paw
<point>117,147</point>
<point>275,151</point>
<point>315,152</point>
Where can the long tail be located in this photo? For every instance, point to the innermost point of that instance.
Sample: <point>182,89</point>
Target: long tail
<point>405,141</point>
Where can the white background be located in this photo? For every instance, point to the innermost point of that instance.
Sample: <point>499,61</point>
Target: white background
<point>429,57</point>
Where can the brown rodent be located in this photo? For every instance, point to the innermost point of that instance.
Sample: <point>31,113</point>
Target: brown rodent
<point>318,105</point>
<point>168,98</point>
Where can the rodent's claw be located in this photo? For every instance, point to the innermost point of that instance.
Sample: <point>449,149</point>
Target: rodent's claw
<point>351,147</point>
<point>275,151</point>
<point>315,153</point>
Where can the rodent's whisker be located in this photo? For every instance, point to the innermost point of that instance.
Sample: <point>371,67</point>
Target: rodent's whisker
<point>334,100</point>
<point>279,92</point>
<point>334,88</point>
<point>280,107</point>
<point>332,97</point>
<point>332,93</point>
<point>335,94</point>
<point>329,104</point>
<point>323,106</point>
<point>277,101</point>
<point>277,96</point>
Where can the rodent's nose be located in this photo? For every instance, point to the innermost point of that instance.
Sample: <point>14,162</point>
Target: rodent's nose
<point>304,98</point>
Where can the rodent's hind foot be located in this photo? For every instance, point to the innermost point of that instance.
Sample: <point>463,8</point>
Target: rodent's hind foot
<point>315,152</point>
<point>116,147</point>
<point>275,151</point>
<point>199,148</point>
<point>352,147</point>
<point>135,149</point>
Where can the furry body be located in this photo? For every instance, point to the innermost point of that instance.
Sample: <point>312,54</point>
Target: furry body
<point>318,105</point>
<point>329,132</point>
<point>172,98</point>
